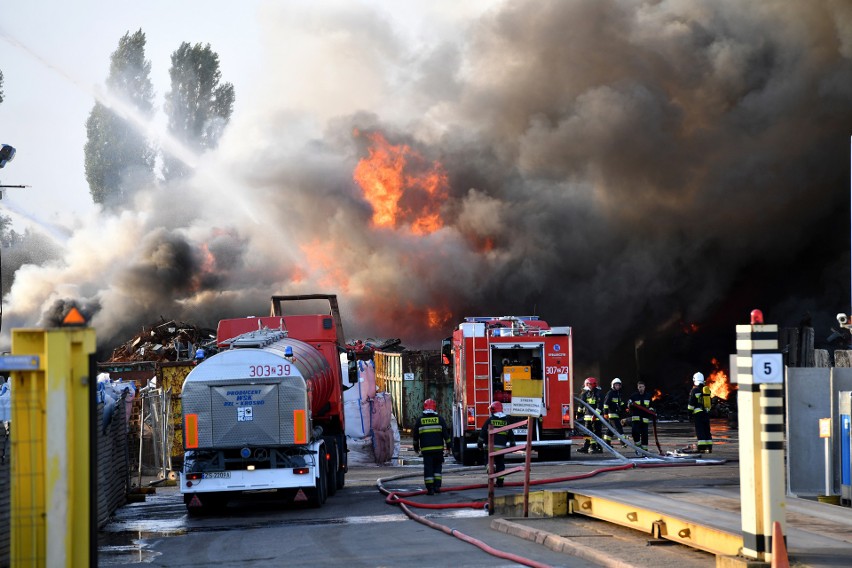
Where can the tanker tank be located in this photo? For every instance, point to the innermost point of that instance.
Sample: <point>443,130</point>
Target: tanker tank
<point>260,392</point>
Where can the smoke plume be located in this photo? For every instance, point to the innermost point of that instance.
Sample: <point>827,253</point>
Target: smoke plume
<point>619,167</point>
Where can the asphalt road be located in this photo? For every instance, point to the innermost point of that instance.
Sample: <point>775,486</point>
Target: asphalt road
<point>354,528</point>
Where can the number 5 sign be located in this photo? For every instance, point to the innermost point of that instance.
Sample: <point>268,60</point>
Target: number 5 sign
<point>767,368</point>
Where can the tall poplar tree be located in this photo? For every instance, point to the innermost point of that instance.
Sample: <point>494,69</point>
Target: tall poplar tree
<point>197,106</point>
<point>1,86</point>
<point>119,159</point>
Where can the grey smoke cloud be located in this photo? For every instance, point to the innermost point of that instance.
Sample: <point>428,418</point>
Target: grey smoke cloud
<point>615,166</point>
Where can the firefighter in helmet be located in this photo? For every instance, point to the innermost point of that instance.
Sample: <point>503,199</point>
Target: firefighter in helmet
<point>613,410</point>
<point>641,409</point>
<point>699,408</point>
<point>501,439</point>
<point>431,435</point>
<point>593,397</point>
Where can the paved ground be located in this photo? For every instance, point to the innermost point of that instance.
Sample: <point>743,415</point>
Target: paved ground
<point>818,534</point>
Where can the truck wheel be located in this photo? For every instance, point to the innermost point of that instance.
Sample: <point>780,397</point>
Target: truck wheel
<point>331,478</point>
<point>318,494</point>
<point>468,456</point>
<point>340,478</point>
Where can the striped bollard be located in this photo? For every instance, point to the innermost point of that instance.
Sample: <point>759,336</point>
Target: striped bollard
<point>760,376</point>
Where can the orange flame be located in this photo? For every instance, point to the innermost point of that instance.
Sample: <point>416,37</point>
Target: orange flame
<point>322,258</point>
<point>438,318</point>
<point>689,328</point>
<point>718,382</point>
<point>657,394</point>
<point>402,189</point>
<point>208,260</point>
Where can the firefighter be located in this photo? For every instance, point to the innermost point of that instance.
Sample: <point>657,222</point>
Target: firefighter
<point>639,405</point>
<point>699,409</point>
<point>501,439</point>
<point>431,435</point>
<point>592,396</point>
<point>613,411</point>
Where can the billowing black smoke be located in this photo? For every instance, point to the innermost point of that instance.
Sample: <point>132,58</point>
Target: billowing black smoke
<point>646,172</point>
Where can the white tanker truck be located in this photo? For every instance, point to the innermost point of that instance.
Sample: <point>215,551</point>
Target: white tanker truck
<point>266,412</point>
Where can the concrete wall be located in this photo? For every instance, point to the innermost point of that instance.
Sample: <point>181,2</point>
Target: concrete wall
<point>808,398</point>
<point>841,380</point>
<point>811,394</point>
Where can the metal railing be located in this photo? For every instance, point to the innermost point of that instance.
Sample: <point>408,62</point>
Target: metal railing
<point>492,453</point>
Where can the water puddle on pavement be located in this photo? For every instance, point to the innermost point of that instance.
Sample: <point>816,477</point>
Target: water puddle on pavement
<point>124,540</point>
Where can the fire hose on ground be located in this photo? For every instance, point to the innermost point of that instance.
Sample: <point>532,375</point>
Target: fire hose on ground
<point>624,438</point>
<point>401,498</point>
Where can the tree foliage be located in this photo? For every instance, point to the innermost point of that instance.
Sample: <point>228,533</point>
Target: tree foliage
<point>8,236</point>
<point>197,106</point>
<point>19,249</point>
<point>1,86</point>
<point>118,157</point>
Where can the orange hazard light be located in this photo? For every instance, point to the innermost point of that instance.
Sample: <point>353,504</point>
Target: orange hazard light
<point>471,416</point>
<point>566,414</point>
<point>190,430</point>
<point>74,317</point>
<point>300,431</point>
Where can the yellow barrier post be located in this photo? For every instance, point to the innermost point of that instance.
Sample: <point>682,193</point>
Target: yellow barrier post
<point>51,475</point>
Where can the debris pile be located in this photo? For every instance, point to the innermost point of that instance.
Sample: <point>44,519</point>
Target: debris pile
<point>165,341</point>
<point>364,349</point>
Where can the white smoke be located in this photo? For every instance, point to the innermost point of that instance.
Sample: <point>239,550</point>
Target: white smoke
<point>610,164</point>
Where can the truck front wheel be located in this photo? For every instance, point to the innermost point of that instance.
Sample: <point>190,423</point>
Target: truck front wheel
<point>320,491</point>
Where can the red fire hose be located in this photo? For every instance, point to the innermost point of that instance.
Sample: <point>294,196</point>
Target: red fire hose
<point>400,498</point>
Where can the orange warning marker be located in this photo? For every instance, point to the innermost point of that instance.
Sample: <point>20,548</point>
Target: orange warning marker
<point>195,501</point>
<point>779,549</point>
<point>300,496</point>
<point>74,317</point>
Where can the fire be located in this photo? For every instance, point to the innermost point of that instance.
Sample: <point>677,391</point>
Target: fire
<point>689,328</point>
<point>208,263</point>
<point>438,318</point>
<point>657,394</point>
<point>401,187</point>
<point>323,259</point>
<point>718,382</point>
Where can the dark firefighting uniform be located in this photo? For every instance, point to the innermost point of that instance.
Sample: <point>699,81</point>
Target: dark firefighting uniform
<point>641,413</point>
<point>699,408</point>
<point>501,440</point>
<point>593,398</point>
<point>613,410</point>
<point>430,436</point>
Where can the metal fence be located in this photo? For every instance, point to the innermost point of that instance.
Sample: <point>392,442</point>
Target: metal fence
<point>113,474</point>
<point>152,435</point>
<point>5,505</point>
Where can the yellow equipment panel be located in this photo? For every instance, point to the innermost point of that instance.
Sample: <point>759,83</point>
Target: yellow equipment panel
<point>516,372</point>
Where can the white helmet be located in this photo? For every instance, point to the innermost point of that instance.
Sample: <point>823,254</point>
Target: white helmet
<point>615,381</point>
<point>698,379</point>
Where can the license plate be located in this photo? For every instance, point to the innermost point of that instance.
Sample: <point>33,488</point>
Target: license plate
<point>216,475</point>
<point>520,431</point>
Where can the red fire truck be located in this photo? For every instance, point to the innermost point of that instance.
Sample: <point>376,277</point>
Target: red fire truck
<point>491,353</point>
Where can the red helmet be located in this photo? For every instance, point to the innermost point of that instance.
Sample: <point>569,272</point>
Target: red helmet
<point>591,382</point>
<point>496,406</point>
<point>430,404</point>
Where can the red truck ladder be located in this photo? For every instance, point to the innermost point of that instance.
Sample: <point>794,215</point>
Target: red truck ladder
<point>481,378</point>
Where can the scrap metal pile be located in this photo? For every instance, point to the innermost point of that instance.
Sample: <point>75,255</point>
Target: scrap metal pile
<point>364,349</point>
<point>165,341</point>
